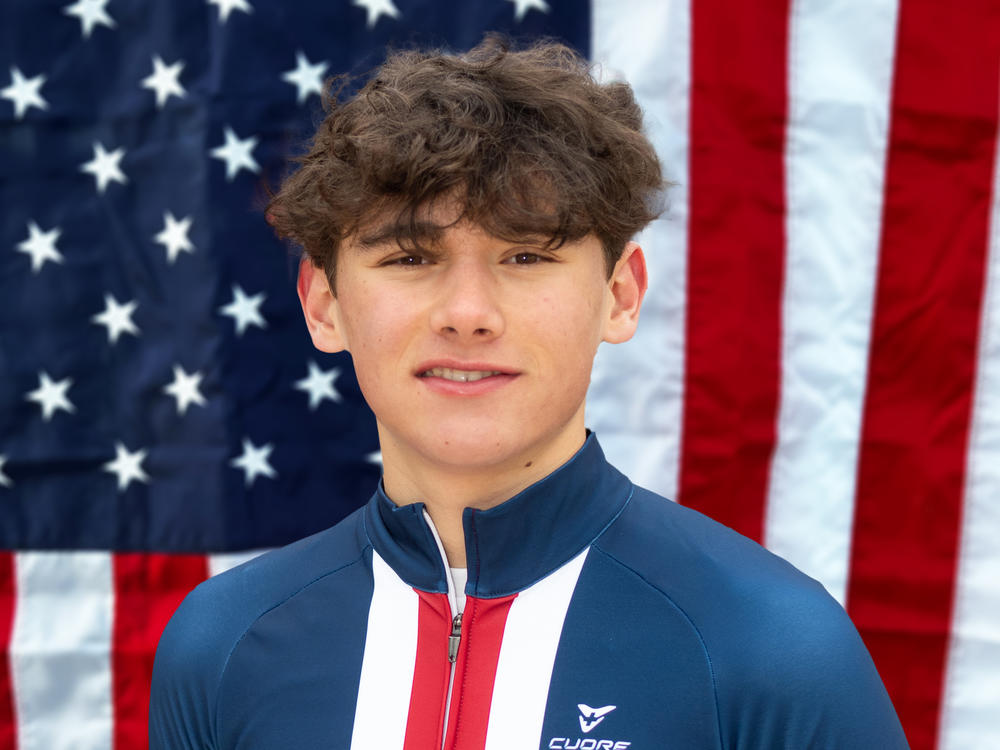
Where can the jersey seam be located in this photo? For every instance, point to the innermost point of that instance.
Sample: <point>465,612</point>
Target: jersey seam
<point>255,620</point>
<point>588,545</point>
<point>690,621</point>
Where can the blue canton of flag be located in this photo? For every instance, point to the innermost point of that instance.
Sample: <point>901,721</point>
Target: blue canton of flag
<point>158,391</point>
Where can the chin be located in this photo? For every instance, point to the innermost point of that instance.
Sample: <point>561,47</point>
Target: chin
<point>471,451</point>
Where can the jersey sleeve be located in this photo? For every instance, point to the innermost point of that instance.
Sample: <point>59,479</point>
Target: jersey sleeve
<point>190,660</point>
<point>809,683</point>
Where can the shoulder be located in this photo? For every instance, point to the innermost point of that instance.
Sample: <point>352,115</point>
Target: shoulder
<point>784,655</point>
<point>705,567</point>
<point>196,645</point>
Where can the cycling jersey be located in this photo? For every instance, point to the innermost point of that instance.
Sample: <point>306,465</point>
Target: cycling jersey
<point>598,616</point>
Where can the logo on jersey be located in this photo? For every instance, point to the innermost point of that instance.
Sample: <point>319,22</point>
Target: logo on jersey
<point>591,717</point>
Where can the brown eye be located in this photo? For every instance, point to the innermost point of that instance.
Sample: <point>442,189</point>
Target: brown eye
<point>407,260</point>
<point>525,259</point>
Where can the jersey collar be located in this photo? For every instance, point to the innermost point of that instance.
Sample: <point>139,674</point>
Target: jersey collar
<point>512,545</point>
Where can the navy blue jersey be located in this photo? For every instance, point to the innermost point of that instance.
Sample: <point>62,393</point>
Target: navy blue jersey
<point>599,616</point>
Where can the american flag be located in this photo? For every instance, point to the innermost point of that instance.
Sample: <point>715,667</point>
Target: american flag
<point>818,363</point>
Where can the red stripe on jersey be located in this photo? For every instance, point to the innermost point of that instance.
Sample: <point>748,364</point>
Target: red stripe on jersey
<point>923,351</point>
<point>8,599</point>
<point>483,624</point>
<point>425,720</point>
<point>148,588</point>
<point>736,258</point>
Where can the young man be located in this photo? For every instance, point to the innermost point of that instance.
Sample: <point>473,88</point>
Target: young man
<point>467,223</point>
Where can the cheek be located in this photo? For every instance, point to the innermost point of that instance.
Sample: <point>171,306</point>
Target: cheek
<point>370,328</point>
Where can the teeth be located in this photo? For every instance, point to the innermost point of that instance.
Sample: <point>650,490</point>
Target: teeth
<point>462,376</point>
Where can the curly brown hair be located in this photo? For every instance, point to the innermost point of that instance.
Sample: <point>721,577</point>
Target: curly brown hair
<point>526,142</point>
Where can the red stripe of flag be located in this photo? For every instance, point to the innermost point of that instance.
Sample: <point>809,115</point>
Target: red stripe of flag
<point>425,720</point>
<point>8,599</point>
<point>148,588</point>
<point>483,624</point>
<point>923,350</point>
<point>735,258</point>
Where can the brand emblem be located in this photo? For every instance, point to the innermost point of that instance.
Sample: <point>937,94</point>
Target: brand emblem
<point>591,717</point>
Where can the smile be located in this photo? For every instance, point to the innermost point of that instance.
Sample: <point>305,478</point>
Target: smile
<point>459,376</point>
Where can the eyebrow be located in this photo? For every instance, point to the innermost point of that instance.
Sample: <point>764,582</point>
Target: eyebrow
<point>393,233</point>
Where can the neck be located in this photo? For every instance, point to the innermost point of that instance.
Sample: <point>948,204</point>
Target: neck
<point>446,490</point>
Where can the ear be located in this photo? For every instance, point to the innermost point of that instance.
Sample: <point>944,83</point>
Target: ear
<point>319,307</point>
<point>627,287</point>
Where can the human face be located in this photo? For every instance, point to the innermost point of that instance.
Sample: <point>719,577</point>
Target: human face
<point>474,353</point>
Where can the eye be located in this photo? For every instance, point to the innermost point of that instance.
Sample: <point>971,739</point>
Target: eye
<point>407,260</point>
<point>525,259</point>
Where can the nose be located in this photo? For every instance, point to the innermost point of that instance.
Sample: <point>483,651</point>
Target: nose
<point>466,305</point>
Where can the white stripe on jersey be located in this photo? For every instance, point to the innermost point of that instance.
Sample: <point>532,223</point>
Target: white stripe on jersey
<point>389,659</point>
<point>528,651</point>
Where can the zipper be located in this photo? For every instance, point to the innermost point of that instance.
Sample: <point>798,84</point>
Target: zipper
<point>454,640</point>
<point>455,636</point>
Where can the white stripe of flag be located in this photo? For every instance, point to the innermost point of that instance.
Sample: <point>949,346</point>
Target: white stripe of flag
<point>60,650</point>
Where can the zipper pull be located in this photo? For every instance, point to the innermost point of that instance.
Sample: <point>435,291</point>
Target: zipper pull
<point>455,638</point>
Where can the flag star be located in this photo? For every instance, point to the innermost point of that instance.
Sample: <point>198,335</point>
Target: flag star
<point>319,385</point>
<point>376,9</point>
<point>521,7</point>
<point>117,318</point>
<point>5,481</point>
<point>41,246</point>
<point>23,92</point>
<point>91,13</point>
<point>104,167</point>
<point>236,153</point>
<point>307,77</point>
<point>244,310</point>
<point>375,457</point>
<point>163,80</point>
<point>127,466</point>
<point>228,6</point>
<point>174,236</point>
<point>51,395</point>
<point>184,388</point>
<point>253,461</point>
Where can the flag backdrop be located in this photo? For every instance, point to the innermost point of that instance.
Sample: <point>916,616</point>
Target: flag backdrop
<point>817,366</point>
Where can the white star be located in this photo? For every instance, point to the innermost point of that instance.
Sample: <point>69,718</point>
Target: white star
<point>319,385</point>
<point>228,6</point>
<point>117,318</point>
<point>127,466</point>
<point>253,461</point>
<point>174,236</point>
<point>184,388</point>
<point>23,92</point>
<point>521,7</point>
<point>104,167</point>
<point>5,481</point>
<point>237,153</point>
<point>245,311</point>
<point>51,395</point>
<point>307,77</point>
<point>376,9</point>
<point>90,13</point>
<point>41,246</point>
<point>163,80</point>
<point>375,457</point>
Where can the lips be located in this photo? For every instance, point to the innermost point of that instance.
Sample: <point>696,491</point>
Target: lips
<point>464,378</point>
<point>459,376</point>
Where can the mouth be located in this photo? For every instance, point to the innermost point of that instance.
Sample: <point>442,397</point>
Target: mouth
<point>458,376</point>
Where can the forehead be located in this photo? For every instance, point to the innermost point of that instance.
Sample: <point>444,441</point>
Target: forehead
<point>536,218</point>
<point>434,228</point>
